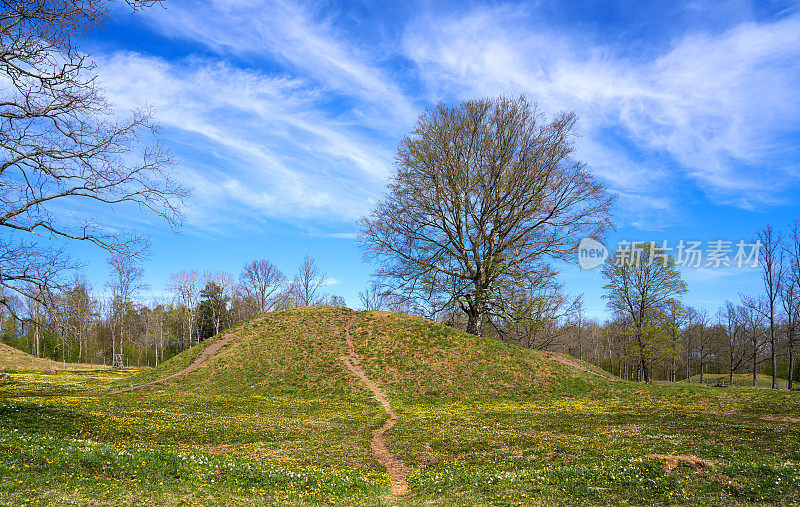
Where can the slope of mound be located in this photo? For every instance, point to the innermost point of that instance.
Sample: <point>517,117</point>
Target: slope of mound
<point>12,359</point>
<point>416,357</point>
<point>281,351</point>
<point>303,348</point>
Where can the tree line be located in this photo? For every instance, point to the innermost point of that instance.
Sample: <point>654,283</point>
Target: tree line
<point>654,335</point>
<point>124,325</point>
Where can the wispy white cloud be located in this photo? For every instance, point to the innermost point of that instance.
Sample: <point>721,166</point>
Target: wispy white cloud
<point>340,235</point>
<point>299,38</point>
<point>709,274</point>
<point>718,105</point>
<point>253,146</point>
<point>313,135</point>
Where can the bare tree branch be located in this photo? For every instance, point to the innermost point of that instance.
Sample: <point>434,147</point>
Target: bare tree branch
<point>64,156</point>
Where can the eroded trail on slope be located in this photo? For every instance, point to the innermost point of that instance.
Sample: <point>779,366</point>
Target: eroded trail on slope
<point>394,467</point>
<point>207,353</point>
<point>578,366</point>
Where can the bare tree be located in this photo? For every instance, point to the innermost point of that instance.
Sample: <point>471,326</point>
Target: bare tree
<point>790,295</point>
<point>62,148</point>
<point>242,306</point>
<point>307,283</point>
<point>530,313</point>
<point>578,321</point>
<point>125,282</point>
<point>730,317</point>
<point>263,282</point>
<point>186,288</point>
<point>36,317</point>
<point>772,278</point>
<point>373,297</point>
<point>335,300</point>
<point>753,311</point>
<point>687,340</point>
<point>700,328</point>
<point>484,193</point>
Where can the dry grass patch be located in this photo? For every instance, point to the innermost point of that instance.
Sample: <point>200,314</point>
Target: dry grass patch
<point>12,359</point>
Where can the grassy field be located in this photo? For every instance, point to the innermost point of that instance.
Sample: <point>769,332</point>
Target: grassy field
<point>739,380</point>
<point>274,418</point>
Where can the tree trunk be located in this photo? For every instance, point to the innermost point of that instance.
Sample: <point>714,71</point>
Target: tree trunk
<point>702,353</point>
<point>772,352</point>
<point>36,337</point>
<point>474,323</point>
<point>688,363</point>
<point>475,313</point>
<point>160,341</point>
<point>730,379</point>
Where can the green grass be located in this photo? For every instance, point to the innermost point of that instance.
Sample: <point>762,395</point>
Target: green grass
<point>274,418</point>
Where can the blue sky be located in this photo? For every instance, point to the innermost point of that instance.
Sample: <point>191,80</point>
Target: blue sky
<point>285,117</point>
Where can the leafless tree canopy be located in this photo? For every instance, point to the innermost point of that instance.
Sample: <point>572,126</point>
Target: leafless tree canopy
<point>771,263</point>
<point>790,295</point>
<point>186,287</point>
<point>306,285</point>
<point>484,193</point>
<point>531,313</point>
<point>64,156</point>
<point>373,297</point>
<point>264,282</point>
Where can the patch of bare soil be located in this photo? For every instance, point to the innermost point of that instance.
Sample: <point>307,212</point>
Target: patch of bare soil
<point>394,467</point>
<point>671,461</point>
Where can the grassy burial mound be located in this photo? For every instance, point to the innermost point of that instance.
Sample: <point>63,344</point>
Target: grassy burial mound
<point>12,359</point>
<point>417,358</point>
<point>291,351</point>
<point>301,349</point>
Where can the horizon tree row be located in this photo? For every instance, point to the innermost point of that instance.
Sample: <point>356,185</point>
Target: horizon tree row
<point>651,327</point>
<point>74,325</point>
